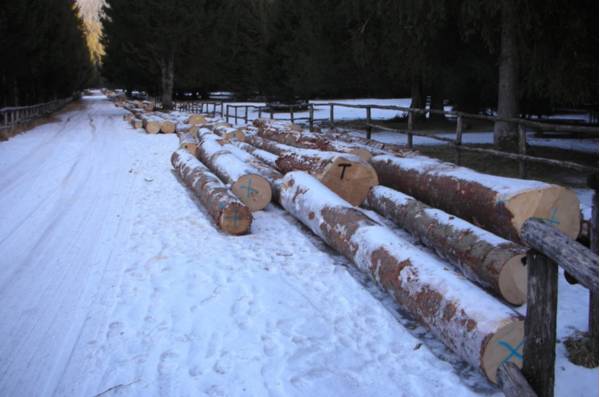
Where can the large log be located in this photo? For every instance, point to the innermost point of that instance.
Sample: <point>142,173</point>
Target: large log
<point>151,124</point>
<point>225,209</point>
<point>136,123</point>
<point>490,261</point>
<point>498,204</point>
<point>196,119</point>
<point>246,182</point>
<point>345,174</point>
<point>188,142</point>
<point>266,157</point>
<point>473,324</point>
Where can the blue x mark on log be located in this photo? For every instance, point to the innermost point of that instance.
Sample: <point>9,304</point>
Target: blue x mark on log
<point>250,191</point>
<point>553,220</point>
<point>513,351</point>
<point>235,218</point>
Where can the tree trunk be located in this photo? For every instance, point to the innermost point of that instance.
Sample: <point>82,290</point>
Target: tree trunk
<point>498,204</point>
<point>167,71</point>
<point>505,134</point>
<point>484,258</point>
<point>225,209</point>
<point>422,285</point>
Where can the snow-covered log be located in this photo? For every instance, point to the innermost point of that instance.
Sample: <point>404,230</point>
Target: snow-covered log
<point>371,143</point>
<point>498,204</point>
<point>229,133</point>
<point>488,260</point>
<point>230,215</point>
<point>188,142</point>
<point>470,322</point>
<point>151,124</point>
<point>136,123</point>
<point>196,119</point>
<point>246,182</point>
<point>266,157</point>
<point>347,175</point>
<point>182,128</point>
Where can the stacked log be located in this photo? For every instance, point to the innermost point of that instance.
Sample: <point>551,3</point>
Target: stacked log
<point>387,147</point>
<point>196,119</point>
<point>470,322</point>
<point>498,204</point>
<point>182,128</point>
<point>136,123</point>
<point>490,261</point>
<point>151,124</point>
<point>229,133</point>
<point>266,157</point>
<point>188,142</point>
<point>246,182</point>
<point>225,209</point>
<point>347,175</point>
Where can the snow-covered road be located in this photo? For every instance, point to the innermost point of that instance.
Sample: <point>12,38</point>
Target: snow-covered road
<point>113,281</point>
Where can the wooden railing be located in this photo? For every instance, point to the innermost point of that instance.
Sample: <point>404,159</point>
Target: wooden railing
<point>550,249</point>
<point>209,107</point>
<point>11,117</point>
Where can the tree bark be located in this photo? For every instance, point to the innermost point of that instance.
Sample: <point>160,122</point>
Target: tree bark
<point>484,258</point>
<point>498,204</point>
<point>167,70</point>
<point>225,209</point>
<point>505,134</point>
<point>422,285</point>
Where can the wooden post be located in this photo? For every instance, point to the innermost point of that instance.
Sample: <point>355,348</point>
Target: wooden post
<point>311,116</point>
<point>593,312</point>
<point>369,129</point>
<point>246,114</point>
<point>227,114</point>
<point>214,112</point>
<point>259,112</point>
<point>331,121</point>
<point>235,114</point>
<point>409,136</point>
<point>522,150</point>
<point>539,351</point>
<point>271,114</point>
<point>458,140</point>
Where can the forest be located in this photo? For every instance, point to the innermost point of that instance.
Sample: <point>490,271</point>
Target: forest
<point>43,49</point>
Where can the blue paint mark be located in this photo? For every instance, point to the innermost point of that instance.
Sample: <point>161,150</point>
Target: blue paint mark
<point>235,218</point>
<point>250,191</point>
<point>553,219</point>
<point>513,351</point>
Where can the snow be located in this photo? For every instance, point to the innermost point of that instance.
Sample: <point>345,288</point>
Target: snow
<point>113,277</point>
<point>586,202</point>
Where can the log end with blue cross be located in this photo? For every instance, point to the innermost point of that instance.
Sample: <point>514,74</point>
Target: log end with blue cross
<point>506,344</point>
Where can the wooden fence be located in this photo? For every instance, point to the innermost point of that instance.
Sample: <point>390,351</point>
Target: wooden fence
<point>11,117</point>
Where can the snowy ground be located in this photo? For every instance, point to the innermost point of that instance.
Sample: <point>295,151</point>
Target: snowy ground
<point>113,281</point>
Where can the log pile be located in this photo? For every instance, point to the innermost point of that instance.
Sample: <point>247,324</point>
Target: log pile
<point>419,282</point>
<point>225,209</point>
<point>498,204</point>
<point>490,261</point>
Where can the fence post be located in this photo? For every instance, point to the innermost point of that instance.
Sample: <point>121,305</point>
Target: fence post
<point>227,114</point>
<point>593,311</point>
<point>246,114</point>
<point>271,116</point>
<point>235,108</point>
<point>214,112</point>
<point>458,140</point>
<point>311,116</point>
<point>292,114</point>
<point>369,129</point>
<point>522,150</point>
<point>409,135</point>
<point>259,112</point>
<point>539,350</point>
<point>331,121</point>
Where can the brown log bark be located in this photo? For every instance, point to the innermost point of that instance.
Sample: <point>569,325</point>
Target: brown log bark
<point>347,175</point>
<point>246,182</point>
<point>498,204</point>
<point>230,215</point>
<point>469,321</point>
<point>484,258</point>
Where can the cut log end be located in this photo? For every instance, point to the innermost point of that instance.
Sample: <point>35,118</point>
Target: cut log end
<point>152,127</point>
<point>558,205</point>
<point>253,190</point>
<point>349,179</point>
<point>192,148</point>
<point>196,119</point>
<point>167,127</point>
<point>505,345</point>
<point>235,219</point>
<point>512,281</point>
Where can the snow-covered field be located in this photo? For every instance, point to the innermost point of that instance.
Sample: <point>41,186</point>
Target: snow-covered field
<point>113,281</point>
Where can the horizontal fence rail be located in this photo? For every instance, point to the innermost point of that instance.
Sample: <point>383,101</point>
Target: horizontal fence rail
<point>11,117</point>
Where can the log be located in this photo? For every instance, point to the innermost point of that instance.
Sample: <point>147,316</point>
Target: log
<point>579,261</point>
<point>229,133</point>
<point>347,175</point>
<point>490,261</point>
<point>151,124</point>
<point>182,128</point>
<point>290,134</point>
<point>498,204</point>
<point>196,119</point>
<point>387,147</point>
<point>189,143</point>
<point>225,209</point>
<point>266,157</point>
<point>512,382</point>
<point>128,117</point>
<point>473,324</point>
<point>246,182</point>
<point>136,123</point>
<point>167,126</point>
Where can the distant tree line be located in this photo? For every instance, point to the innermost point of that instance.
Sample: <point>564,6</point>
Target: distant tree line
<point>516,56</point>
<point>43,51</point>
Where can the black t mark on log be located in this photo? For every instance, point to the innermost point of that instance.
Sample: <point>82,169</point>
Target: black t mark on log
<point>344,166</point>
